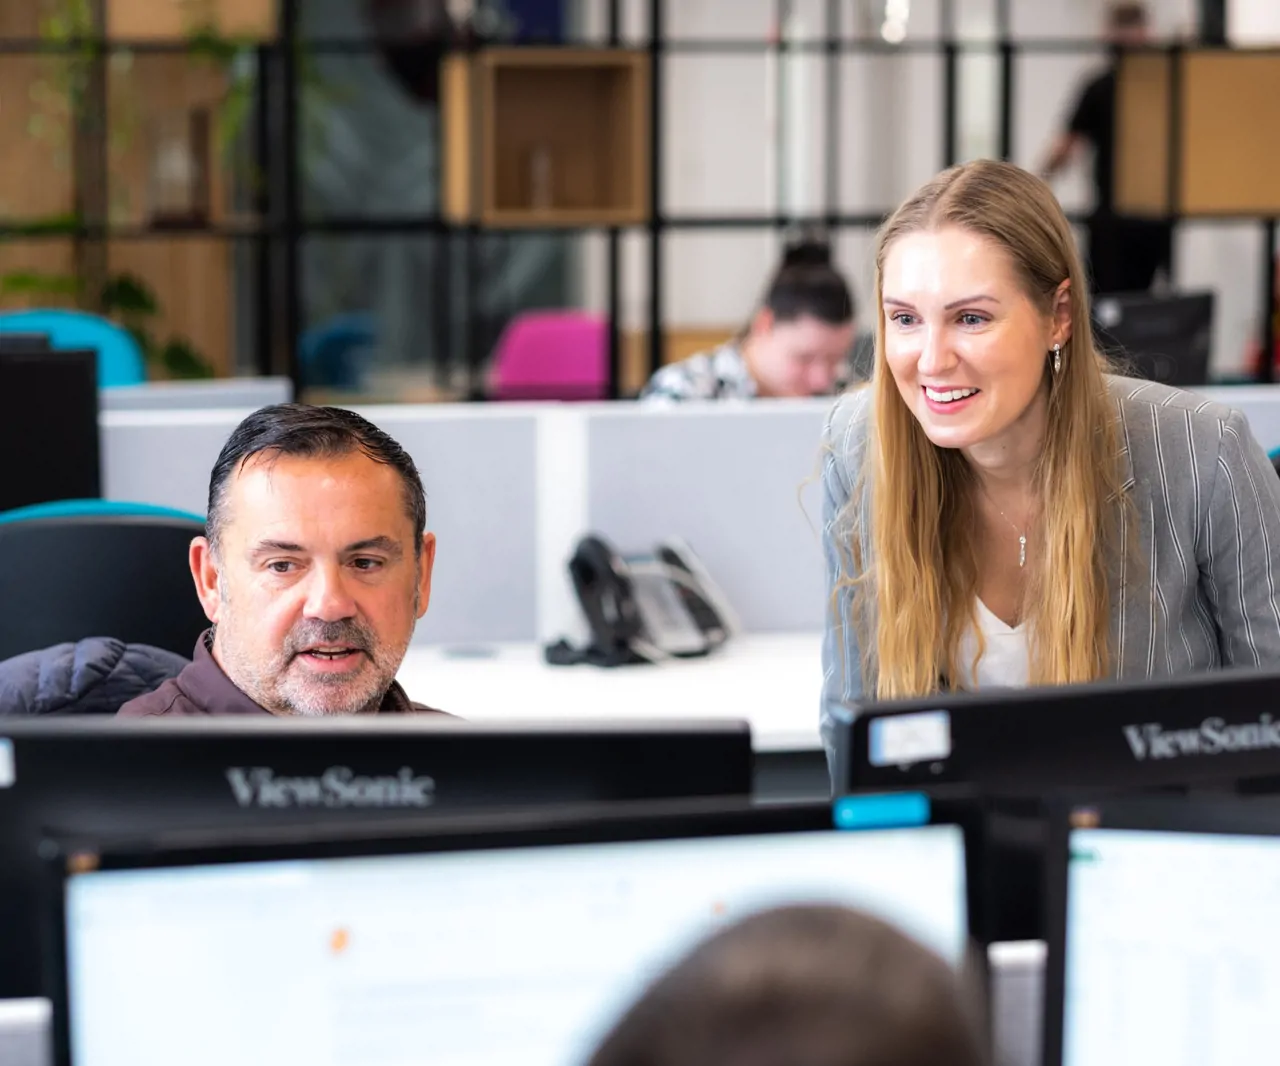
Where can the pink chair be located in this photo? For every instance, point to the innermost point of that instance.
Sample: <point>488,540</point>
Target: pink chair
<point>552,355</point>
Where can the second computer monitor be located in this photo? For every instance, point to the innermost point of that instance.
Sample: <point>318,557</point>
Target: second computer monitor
<point>1163,944</point>
<point>497,946</point>
<point>1168,339</point>
<point>1214,729</point>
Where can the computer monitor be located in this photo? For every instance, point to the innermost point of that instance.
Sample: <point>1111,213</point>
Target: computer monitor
<point>97,775</point>
<point>1219,728</point>
<point>480,945</point>
<point>49,427</point>
<point>1168,338</point>
<point>1163,944</point>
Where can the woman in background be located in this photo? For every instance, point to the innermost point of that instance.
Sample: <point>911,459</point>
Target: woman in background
<point>810,985</point>
<point>999,509</point>
<point>798,342</point>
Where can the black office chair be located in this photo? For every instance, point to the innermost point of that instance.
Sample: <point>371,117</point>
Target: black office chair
<point>97,571</point>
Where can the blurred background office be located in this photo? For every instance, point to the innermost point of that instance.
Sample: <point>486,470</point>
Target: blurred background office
<point>368,199</point>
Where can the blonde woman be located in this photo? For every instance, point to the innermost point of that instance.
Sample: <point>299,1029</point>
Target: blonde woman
<point>1002,511</point>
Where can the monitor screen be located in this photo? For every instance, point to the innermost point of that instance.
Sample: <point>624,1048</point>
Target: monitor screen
<point>95,776</point>
<point>1165,338</point>
<point>517,954</point>
<point>1172,950</point>
<point>49,408</point>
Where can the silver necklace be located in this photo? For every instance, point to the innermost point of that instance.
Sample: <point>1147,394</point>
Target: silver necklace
<point>1022,536</point>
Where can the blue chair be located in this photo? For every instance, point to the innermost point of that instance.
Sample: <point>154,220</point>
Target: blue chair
<point>331,354</point>
<point>98,568</point>
<point>120,359</point>
<point>1275,459</point>
<point>79,508</point>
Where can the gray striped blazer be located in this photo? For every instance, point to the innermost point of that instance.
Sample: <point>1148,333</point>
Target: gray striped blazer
<point>1208,506</point>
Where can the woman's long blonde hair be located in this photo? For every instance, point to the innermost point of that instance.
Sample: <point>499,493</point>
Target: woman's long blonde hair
<point>924,578</point>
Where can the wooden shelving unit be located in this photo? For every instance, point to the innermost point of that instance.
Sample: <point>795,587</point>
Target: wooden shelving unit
<point>546,137</point>
<point>1213,110</point>
<point>165,20</point>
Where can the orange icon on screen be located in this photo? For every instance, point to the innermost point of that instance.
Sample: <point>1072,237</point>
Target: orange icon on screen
<point>339,941</point>
<point>718,908</point>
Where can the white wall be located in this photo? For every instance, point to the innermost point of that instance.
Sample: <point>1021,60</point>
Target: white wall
<point>720,145</point>
<point>1253,22</point>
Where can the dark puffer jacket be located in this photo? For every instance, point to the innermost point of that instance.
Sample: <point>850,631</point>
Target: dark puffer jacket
<point>92,676</point>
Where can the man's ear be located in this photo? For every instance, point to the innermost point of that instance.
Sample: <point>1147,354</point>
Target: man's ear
<point>427,562</point>
<point>204,571</point>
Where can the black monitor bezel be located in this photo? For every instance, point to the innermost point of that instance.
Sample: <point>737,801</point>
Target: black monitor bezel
<point>1016,777</point>
<point>618,822</point>
<point>86,359</point>
<point>1216,814</point>
<point>128,773</point>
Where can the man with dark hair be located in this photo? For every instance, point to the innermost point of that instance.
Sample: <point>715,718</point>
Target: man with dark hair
<point>1125,253</point>
<point>315,568</point>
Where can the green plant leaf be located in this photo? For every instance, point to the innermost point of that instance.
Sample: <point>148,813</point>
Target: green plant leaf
<point>30,283</point>
<point>128,296</point>
<point>181,360</point>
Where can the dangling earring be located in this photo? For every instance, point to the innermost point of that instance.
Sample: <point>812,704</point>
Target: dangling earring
<point>1057,358</point>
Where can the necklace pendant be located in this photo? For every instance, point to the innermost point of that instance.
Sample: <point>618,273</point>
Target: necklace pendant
<point>1022,550</point>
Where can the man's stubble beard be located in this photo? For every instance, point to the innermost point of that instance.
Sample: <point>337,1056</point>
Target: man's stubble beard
<point>278,689</point>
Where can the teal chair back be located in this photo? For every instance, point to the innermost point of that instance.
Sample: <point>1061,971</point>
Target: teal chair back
<point>120,359</point>
<point>98,568</point>
<point>90,508</point>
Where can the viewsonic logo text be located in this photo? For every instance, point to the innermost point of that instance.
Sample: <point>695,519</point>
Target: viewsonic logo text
<point>338,786</point>
<point>1213,736</point>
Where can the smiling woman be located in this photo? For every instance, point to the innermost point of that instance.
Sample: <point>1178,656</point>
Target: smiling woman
<point>1000,507</point>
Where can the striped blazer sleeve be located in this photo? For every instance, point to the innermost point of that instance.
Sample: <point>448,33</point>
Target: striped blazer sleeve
<point>1240,556</point>
<point>843,444</point>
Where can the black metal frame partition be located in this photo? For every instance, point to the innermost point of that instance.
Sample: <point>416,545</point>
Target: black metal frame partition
<point>282,228</point>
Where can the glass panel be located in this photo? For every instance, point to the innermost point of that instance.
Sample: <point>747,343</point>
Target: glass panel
<point>855,250</point>
<point>891,128</point>
<point>1039,115</point>
<point>36,128</point>
<point>745,20</point>
<point>714,280</point>
<point>192,281</point>
<point>716,144</point>
<point>978,104</point>
<point>20,21</point>
<point>180,139</point>
<point>414,318</point>
<point>369,133</point>
<point>1225,258</point>
<point>36,273</point>
<point>976,20</point>
<point>895,21</point>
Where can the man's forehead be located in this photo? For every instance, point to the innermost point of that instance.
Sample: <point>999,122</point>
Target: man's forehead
<point>348,497</point>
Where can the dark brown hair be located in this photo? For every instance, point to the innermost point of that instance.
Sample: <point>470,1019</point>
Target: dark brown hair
<point>807,283</point>
<point>308,432</point>
<point>801,986</point>
<point>1128,15</point>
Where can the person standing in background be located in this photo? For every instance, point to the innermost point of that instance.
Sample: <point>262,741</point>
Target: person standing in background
<point>1125,254</point>
<point>798,343</point>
